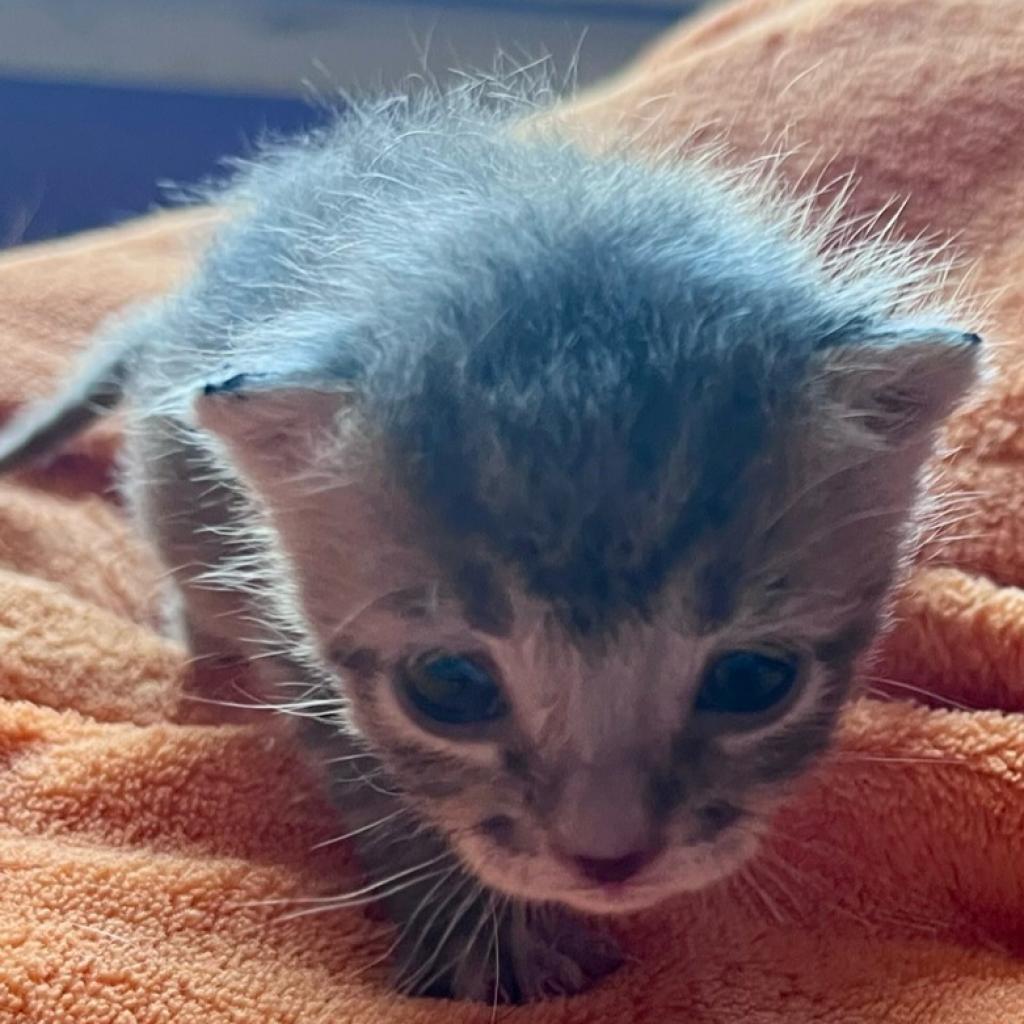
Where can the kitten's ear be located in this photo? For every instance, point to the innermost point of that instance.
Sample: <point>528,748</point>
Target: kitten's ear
<point>274,426</point>
<point>278,407</point>
<point>284,436</point>
<point>896,389</point>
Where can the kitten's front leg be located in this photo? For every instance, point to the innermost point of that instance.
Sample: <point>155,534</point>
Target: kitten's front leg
<point>460,940</point>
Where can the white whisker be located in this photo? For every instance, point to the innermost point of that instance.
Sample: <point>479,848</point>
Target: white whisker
<point>852,756</point>
<point>347,903</point>
<point>496,940</point>
<point>920,691</point>
<point>417,977</point>
<point>362,830</point>
<point>411,920</point>
<point>355,893</point>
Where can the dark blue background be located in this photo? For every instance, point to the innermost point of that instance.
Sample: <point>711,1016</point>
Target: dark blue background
<point>76,156</point>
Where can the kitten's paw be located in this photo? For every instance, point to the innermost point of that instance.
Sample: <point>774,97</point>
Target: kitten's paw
<point>518,955</point>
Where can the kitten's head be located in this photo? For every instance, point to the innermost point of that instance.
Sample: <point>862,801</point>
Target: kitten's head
<point>597,527</point>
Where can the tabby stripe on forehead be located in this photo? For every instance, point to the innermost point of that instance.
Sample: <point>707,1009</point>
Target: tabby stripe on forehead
<point>486,605</point>
<point>717,585</point>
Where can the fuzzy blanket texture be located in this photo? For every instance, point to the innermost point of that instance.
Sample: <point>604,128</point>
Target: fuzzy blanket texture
<point>142,834</point>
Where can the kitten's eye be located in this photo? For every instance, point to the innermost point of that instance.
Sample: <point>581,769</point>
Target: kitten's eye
<point>746,683</point>
<point>453,690</point>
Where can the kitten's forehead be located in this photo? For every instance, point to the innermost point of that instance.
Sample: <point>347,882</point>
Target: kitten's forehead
<point>591,418</point>
<point>596,521</point>
<point>597,401</point>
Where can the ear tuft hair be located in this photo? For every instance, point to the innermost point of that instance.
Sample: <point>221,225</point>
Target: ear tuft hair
<point>899,387</point>
<point>273,428</point>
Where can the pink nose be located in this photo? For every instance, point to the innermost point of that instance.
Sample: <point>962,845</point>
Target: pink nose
<point>612,870</point>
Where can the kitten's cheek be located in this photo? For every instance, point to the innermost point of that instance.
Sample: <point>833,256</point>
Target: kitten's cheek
<point>691,867</point>
<point>503,859</point>
<point>500,829</point>
<point>507,835</point>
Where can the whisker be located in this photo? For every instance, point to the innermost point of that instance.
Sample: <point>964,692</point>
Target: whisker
<point>347,903</point>
<point>807,542</point>
<point>361,830</point>
<point>743,893</point>
<point>918,690</point>
<point>364,890</point>
<point>830,897</point>
<point>816,845</point>
<point>466,882</point>
<point>953,538</point>
<point>196,698</point>
<point>898,759</point>
<point>350,757</point>
<point>825,894</point>
<point>418,976</point>
<point>367,779</point>
<point>421,906</point>
<point>496,941</point>
<point>294,709</point>
<point>771,875</point>
<point>748,876</point>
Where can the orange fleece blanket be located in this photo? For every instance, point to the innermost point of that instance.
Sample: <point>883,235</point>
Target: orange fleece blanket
<point>140,841</point>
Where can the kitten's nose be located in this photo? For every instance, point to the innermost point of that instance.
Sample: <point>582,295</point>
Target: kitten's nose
<point>603,829</point>
<point>612,870</point>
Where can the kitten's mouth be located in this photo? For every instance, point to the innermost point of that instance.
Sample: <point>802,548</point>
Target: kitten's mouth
<point>623,888</point>
<point>621,898</point>
<point>619,886</point>
<point>668,874</point>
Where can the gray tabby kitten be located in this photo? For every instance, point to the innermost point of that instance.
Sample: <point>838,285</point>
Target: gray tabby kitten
<point>563,490</point>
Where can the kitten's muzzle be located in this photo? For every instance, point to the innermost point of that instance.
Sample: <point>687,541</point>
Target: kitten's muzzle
<point>602,829</point>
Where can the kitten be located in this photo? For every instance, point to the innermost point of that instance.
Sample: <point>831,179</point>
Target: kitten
<point>563,491</point>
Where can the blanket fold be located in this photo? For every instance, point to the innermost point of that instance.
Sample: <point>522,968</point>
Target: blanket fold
<point>150,846</point>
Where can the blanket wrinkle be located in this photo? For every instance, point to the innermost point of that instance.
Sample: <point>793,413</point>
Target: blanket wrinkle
<point>151,839</point>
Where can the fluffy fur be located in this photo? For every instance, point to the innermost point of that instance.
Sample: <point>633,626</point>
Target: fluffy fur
<point>442,385</point>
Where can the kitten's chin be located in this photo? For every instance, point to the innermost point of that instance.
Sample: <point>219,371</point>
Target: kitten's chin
<point>679,870</point>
